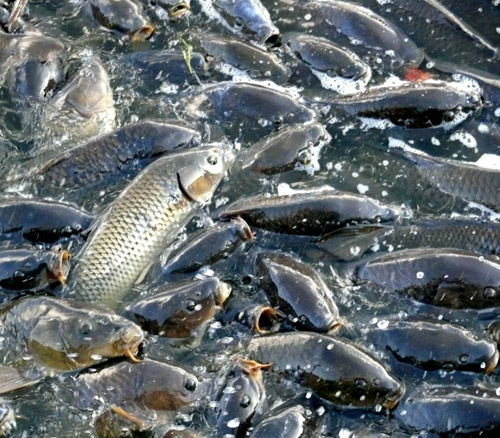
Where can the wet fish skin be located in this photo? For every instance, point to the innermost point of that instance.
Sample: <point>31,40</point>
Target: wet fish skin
<point>463,180</point>
<point>242,394</point>
<point>443,277</point>
<point>326,56</point>
<point>208,246</point>
<point>125,151</point>
<point>177,310</point>
<point>141,222</point>
<point>290,148</point>
<point>41,221</point>
<point>364,26</point>
<point>353,242</point>
<point>46,336</point>
<point>412,105</point>
<point>450,410</point>
<point>310,213</point>
<point>339,367</point>
<point>248,17</point>
<point>32,269</point>
<point>256,62</point>
<point>298,291</point>
<point>433,345</point>
<point>287,423</point>
<point>125,16</point>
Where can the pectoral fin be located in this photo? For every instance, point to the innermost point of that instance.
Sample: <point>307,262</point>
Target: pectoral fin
<point>10,380</point>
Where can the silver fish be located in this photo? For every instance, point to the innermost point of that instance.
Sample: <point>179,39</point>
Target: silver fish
<point>143,220</point>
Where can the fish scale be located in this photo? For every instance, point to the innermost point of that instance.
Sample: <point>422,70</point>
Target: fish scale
<point>142,221</point>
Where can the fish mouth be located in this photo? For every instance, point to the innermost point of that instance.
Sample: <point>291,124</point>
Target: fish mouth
<point>392,399</point>
<point>265,320</point>
<point>129,342</point>
<point>178,11</point>
<point>335,326</point>
<point>273,39</point>
<point>59,266</point>
<point>492,362</point>
<point>142,34</point>
<point>223,293</point>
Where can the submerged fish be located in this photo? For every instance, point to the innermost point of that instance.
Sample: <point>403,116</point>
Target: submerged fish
<point>310,213</point>
<point>143,220</point>
<point>436,345</point>
<point>292,422</point>
<point>467,181</point>
<point>443,277</point>
<point>350,243</point>
<point>340,372</point>
<point>44,336</point>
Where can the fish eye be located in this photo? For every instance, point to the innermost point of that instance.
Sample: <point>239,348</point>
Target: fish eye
<point>278,120</point>
<point>212,160</point>
<point>85,328</point>
<point>239,22</point>
<point>305,158</point>
<point>376,382</point>
<point>190,384</point>
<point>245,401</point>
<point>489,293</point>
<point>190,306</point>
<point>463,358</point>
<point>360,383</point>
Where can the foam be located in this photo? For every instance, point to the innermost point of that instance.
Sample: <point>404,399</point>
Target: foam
<point>466,138</point>
<point>342,85</point>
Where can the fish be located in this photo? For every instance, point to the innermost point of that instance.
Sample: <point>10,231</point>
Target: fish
<point>310,213</point>
<point>351,243</point>
<point>293,147</point>
<point>26,269</point>
<point>291,422</point>
<point>444,277</point>
<point>339,372</point>
<point>83,108</point>
<point>124,16</point>
<point>123,153</point>
<point>208,246</point>
<point>464,180</point>
<point>434,345</point>
<point>178,309</point>
<point>253,61</point>
<point>146,216</point>
<point>176,9</point>
<point>41,221</point>
<point>136,388</point>
<point>450,410</point>
<point>337,67</point>
<point>363,26</point>
<point>244,17</point>
<point>297,292</point>
<point>411,104</point>
<point>242,394</point>
<point>44,336</point>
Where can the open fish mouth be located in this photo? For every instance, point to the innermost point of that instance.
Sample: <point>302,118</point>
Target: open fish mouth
<point>178,11</point>
<point>493,362</point>
<point>142,34</point>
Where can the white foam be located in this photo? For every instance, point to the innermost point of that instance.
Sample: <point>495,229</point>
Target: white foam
<point>367,123</point>
<point>362,188</point>
<point>489,161</point>
<point>464,137</point>
<point>342,85</point>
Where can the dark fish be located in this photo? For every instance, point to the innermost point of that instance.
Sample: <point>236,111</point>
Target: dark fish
<point>240,398</point>
<point>310,213</point>
<point>44,336</point>
<point>293,147</point>
<point>334,369</point>
<point>258,63</point>
<point>157,66</point>
<point>412,105</point>
<point>351,243</point>
<point>137,388</point>
<point>297,291</point>
<point>41,221</point>
<point>363,26</point>
<point>436,345</point>
<point>442,277</point>
<point>124,16</point>
<point>147,216</point>
<point>466,181</point>
<point>244,17</point>
<point>325,56</point>
<point>178,309</point>
<point>208,246</point>
<point>286,423</point>
<point>451,410</point>
<point>33,269</point>
<point>125,152</point>
<point>245,106</point>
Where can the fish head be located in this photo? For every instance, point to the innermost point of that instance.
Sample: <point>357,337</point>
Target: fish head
<point>176,9</point>
<point>77,336</point>
<point>201,175</point>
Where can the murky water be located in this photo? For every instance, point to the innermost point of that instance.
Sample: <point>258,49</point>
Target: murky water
<point>358,159</point>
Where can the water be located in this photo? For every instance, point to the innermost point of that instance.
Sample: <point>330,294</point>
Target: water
<point>357,160</point>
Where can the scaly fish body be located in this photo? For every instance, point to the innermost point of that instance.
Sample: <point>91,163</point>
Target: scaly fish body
<point>143,220</point>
